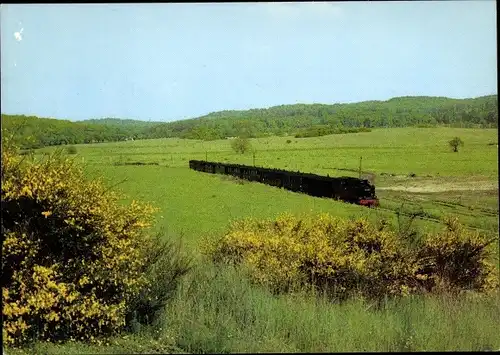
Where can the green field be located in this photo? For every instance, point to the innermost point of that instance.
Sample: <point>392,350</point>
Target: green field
<point>197,205</point>
<point>220,312</point>
<point>423,151</point>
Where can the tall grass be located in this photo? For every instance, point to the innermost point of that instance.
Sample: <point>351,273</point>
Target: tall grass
<point>142,343</point>
<point>218,311</point>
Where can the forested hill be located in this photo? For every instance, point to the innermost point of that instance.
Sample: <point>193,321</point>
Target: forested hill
<point>290,119</point>
<point>121,122</point>
<point>35,132</point>
<point>300,119</point>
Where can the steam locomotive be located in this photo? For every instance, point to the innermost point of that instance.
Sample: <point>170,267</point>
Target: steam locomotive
<point>348,189</point>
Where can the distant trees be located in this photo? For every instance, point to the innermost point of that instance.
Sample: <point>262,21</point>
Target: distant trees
<point>32,132</point>
<point>301,120</point>
<point>314,119</point>
<point>325,130</point>
<point>241,145</point>
<point>455,143</point>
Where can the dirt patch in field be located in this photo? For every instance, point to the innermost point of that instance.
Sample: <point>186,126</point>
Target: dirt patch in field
<point>436,186</point>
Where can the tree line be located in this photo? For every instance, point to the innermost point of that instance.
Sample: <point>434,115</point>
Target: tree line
<point>297,119</point>
<point>481,112</point>
<point>32,132</point>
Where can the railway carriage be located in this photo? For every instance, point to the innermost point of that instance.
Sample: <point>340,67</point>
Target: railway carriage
<point>348,189</point>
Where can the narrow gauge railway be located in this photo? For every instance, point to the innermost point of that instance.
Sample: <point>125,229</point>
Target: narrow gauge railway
<point>348,189</point>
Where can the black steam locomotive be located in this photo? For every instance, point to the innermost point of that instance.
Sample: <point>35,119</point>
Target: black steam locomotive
<point>348,189</point>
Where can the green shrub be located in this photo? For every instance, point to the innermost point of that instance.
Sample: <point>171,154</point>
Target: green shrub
<point>241,145</point>
<point>71,149</point>
<point>74,258</point>
<point>455,143</point>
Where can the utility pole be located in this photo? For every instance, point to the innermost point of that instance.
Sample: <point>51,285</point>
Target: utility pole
<point>360,161</point>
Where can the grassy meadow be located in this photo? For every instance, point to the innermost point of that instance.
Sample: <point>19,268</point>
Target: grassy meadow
<point>196,205</point>
<point>400,151</point>
<point>216,310</point>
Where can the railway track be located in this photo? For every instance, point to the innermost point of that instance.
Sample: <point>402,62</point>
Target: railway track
<point>430,219</point>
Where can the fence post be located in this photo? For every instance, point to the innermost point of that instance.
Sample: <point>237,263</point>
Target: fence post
<point>254,158</point>
<point>360,161</point>
<point>206,155</point>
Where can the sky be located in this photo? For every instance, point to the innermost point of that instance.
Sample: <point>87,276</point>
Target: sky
<point>166,62</point>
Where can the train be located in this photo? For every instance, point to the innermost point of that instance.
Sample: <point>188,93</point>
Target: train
<point>347,189</point>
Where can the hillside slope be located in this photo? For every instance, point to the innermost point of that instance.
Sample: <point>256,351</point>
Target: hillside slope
<point>301,119</point>
<point>396,112</point>
<point>36,132</point>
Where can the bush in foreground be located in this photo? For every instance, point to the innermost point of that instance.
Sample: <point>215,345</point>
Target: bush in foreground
<point>345,257</point>
<point>456,259</point>
<point>73,256</point>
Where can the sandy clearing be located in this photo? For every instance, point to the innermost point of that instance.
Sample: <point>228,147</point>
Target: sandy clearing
<point>442,187</point>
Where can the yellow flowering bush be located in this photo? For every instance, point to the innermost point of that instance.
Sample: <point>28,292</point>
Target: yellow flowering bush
<point>72,254</point>
<point>342,257</point>
<point>333,255</point>
<point>457,259</point>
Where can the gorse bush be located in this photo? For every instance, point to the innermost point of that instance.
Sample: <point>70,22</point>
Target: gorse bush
<point>73,256</point>
<point>456,259</point>
<point>341,258</point>
<point>333,255</point>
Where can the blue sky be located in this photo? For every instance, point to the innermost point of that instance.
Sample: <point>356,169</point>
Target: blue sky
<point>165,62</point>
